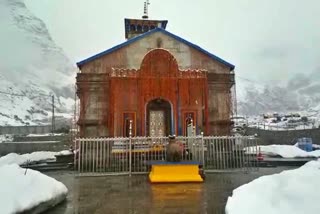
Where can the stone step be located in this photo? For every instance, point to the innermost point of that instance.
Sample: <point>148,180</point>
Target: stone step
<point>50,166</point>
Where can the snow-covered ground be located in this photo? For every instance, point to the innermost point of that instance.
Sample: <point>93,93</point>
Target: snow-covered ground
<point>33,157</point>
<point>22,189</point>
<point>285,151</point>
<point>281,127</point>
<point>289,192</point>
<point>278,122</point>
<point>267,124</point>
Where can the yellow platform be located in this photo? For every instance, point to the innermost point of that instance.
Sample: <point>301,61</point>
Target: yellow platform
<point>174,172</point>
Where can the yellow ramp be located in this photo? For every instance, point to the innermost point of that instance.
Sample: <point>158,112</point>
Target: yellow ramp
<point>175,172</point>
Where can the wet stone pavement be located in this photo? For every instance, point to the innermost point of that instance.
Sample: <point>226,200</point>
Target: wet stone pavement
<point>135,195</point>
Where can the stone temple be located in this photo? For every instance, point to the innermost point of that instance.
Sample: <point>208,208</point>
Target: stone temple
<point>158,80</point>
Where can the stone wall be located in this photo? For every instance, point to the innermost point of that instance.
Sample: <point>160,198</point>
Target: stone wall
<point>268,137</point>
<point>22,148</point>
<point>23,144</point>
<point>62,138</point>
<point>21,130</point>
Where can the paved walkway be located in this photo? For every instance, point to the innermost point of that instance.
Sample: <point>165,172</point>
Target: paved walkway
<point>121,194</point>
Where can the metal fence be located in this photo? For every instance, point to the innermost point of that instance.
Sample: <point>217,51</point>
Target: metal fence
<point>133,155</point>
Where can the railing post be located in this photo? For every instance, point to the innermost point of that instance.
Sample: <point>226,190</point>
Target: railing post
<point>202,149</point>
<point>79,156</point>
<point>130,150</point>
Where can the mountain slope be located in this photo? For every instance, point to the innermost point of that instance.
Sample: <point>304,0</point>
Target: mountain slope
<point>302,93</point>
<point>32,68</point>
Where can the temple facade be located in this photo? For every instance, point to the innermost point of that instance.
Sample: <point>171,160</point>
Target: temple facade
<point>159,81</point>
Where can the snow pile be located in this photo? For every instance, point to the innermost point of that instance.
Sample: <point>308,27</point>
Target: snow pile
<point>14,158</point>
<point>23,190</point>
<point>293,191</point>
<point>33,157</point>
<point>65,152</point>
<point>285,151</point>
<point>315,146</point>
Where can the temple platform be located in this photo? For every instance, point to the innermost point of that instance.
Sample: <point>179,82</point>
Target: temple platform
<point>174,172</point>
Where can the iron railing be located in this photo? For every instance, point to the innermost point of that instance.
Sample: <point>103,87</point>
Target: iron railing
<point>133,155</point>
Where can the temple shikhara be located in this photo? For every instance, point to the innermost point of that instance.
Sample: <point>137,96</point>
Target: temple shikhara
<point>159,81</point>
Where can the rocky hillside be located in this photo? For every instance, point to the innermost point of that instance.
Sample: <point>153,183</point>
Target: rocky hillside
<point>32,69</point>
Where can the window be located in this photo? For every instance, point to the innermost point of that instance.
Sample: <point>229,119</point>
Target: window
<point>127,117</point>
<point>190,122</point>
<point>126,127</point>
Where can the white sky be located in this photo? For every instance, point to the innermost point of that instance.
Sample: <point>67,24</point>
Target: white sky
<point>267,40</point>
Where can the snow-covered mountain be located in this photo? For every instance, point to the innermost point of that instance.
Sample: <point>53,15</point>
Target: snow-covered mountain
<point>301,94</point>
<point>32,68</point>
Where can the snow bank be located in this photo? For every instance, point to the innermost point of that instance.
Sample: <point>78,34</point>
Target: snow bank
<point>315,146</point>
<point>65,152</point>
<point>285,151</point>
<point>292,191</point>
<point>22,190</point>
<point>14,158</point>
<point>25,158</point>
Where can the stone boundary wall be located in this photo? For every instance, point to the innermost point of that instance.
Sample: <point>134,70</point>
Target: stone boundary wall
<point>28,147</point>
<point>21,130</point>
<point>62,138</point>
<point>287,137</point>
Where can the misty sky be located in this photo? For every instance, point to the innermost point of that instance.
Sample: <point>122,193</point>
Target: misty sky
<point>268,41</point>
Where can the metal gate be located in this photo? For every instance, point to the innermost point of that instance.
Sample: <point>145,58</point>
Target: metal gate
<point>157,123</point>
<point>132,155</point>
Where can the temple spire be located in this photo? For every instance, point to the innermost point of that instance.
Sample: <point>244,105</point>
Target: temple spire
<point>145,10</point>
<point>136,27</point>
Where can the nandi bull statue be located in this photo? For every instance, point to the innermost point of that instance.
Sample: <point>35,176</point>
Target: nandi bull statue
<point>174,150</point>
<point>174,169</point>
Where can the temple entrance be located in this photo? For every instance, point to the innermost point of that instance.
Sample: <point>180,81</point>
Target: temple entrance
<point>158,118</point>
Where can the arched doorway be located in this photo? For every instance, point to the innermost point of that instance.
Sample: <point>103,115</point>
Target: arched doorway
<point>158,118</point>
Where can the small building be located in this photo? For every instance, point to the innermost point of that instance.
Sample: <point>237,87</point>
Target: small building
<point>159,81</point>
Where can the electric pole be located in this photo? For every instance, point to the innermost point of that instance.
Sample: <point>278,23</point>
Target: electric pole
<point>53,120</point>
